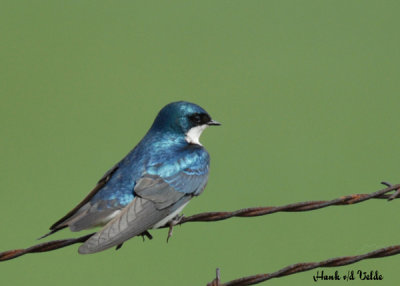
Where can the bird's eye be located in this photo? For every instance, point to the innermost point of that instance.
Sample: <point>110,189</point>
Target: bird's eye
<point>205,118</point>
<point>196,118</point>
<point>199,118</point>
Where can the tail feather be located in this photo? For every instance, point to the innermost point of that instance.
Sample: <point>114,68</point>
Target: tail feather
<point>52,231</point>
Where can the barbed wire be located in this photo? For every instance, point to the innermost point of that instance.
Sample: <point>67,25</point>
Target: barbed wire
<point>217,216</point>
<point>301,267</point>
<point>296,207</point>
<point>43,247</point>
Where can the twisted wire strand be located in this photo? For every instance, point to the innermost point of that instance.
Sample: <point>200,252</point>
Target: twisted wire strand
<point>296,207</point>
<point>301,267</point>
<point>217,216</point>
<point>43,247</point>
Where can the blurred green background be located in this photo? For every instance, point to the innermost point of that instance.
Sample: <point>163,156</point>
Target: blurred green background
<point>308,93</point>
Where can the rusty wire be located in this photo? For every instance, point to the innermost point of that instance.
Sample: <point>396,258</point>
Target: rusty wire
<point>217,216</point>
<point>43,247</point>
<point>296,207</point>
<point>301,267</point>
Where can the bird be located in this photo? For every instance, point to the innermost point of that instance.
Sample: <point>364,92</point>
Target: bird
<point>150,186</point>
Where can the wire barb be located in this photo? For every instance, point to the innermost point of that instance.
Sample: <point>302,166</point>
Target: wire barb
<point>217,279</point>
<point>306,266</point>
<point>395,194</point>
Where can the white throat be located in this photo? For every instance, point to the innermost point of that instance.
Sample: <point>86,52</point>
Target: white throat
<point>193,135</point>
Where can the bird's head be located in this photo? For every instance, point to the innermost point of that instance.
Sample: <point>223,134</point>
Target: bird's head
<point>183,119</point>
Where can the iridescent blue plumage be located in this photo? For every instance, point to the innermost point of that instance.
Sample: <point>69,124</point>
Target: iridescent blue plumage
<point>156,179</point>
<point>163,151</point>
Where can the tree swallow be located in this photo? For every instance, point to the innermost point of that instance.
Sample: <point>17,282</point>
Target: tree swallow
<point>151,185</point>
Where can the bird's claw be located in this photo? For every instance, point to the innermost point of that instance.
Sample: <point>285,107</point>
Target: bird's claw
<point>146,234</point>
<point>143,235</point>
<point>175,221</point>
<point>395,194</point>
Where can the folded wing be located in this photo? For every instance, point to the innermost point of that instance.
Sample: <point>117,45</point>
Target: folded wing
<point>154,200</point>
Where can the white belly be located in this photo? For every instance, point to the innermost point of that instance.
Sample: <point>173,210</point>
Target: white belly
<point>168,218</point>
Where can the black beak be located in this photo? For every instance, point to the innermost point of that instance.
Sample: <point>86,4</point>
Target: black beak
<point>213,122</point>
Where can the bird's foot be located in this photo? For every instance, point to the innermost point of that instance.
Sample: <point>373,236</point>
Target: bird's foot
<point>395,194</point>
<point>175,221</point>
<point>146,234</point>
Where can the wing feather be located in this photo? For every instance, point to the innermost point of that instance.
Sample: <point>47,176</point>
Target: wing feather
<point>155,200</point>
<point>80,210</point>
<point>158,195</point>
<point>139,216</point>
